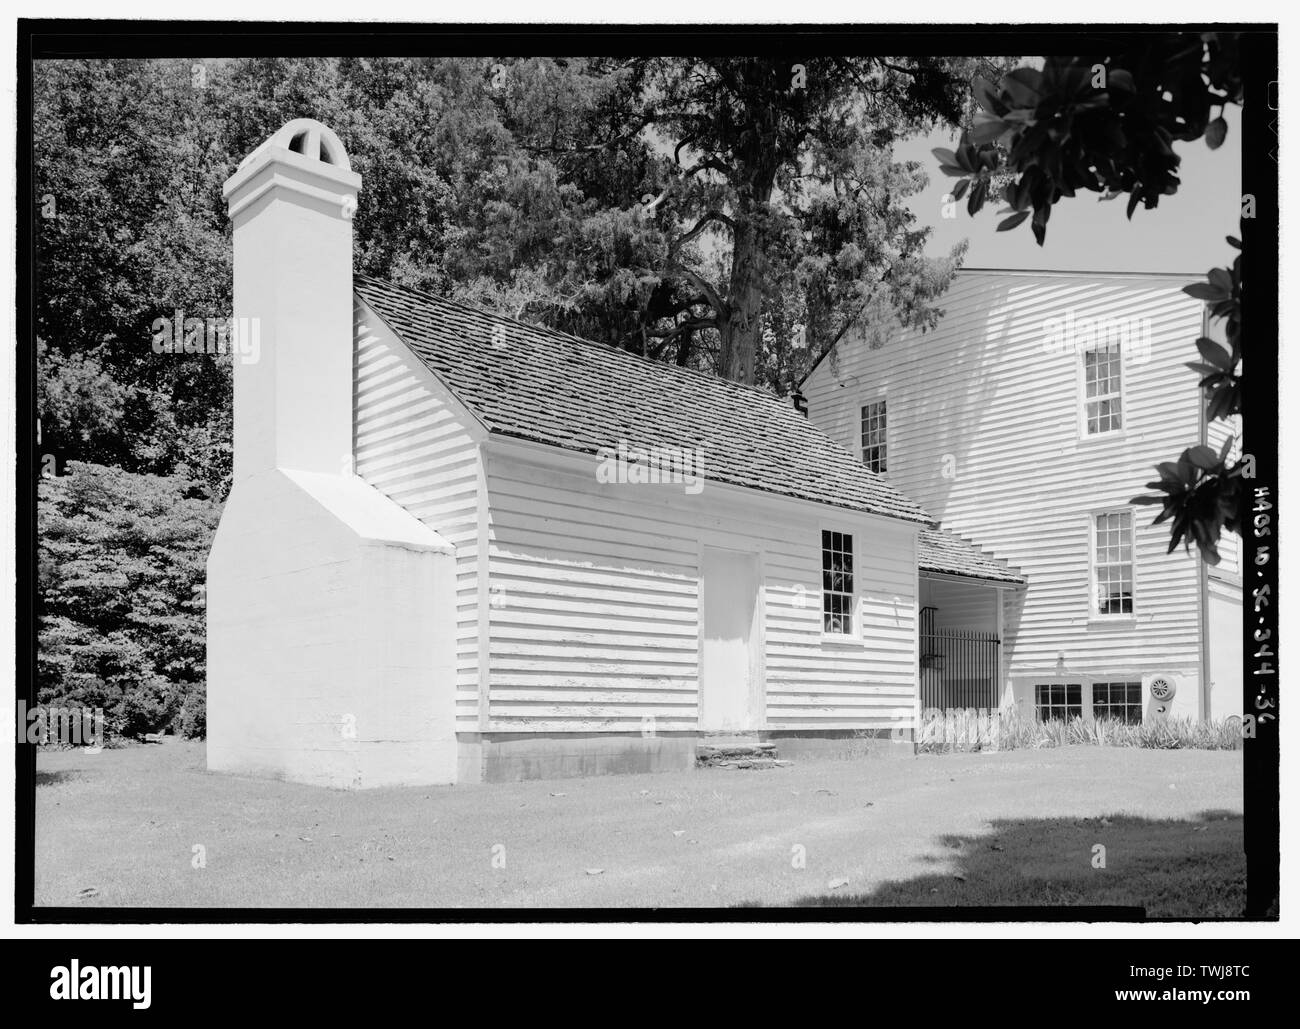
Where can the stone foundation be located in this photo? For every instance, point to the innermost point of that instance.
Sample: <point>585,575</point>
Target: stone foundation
<point>511,757</point>
<point>844,744</point>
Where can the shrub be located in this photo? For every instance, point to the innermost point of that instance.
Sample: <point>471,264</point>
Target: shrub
<point>951,732</point>
<point>121,606</point>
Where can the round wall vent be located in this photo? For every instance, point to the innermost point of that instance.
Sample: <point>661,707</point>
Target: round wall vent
<point>1162,687</point>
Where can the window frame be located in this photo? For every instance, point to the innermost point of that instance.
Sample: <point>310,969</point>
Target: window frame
<point>1126,703</point>
<point>880,401</point>
<point>1121,394</point>
<point>1094,612</point>
<point>1064,685</point>
<point>853,593</point>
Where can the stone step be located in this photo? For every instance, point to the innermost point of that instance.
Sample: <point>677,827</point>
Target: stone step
<point>714,753</point>
<point>753,764</point>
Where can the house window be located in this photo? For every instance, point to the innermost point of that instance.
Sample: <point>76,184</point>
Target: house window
<point>1101,383</point>
<point>837,583</point>
<point>1058,701</point>
<point>1112,563</point>
<point>874,445</point>
<point>1121,701</point>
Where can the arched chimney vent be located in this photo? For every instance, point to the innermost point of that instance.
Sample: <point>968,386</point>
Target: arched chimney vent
<point>310,138</point>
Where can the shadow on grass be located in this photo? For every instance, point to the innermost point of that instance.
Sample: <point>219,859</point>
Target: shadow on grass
<point>1171,868</point>
<point>54,778</point>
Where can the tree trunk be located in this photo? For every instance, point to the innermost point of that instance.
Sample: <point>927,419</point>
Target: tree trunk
<point>740,326</point>
<point>738,329</point>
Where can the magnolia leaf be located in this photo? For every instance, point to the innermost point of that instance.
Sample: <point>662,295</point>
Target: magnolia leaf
<point>1023,86</point>
<point>1039,224</point>
<point>1118,78</point>
<point>1214,354</point>
<point>1013,221</point>
<point>987,128</point>
<point>986,95</point>
<point>1216,132</point>
<point>1203,457</point>
<point>1202,290</point>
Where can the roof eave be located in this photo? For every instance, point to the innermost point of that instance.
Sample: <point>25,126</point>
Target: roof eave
<point>948,574</point>
<point>529,443</point>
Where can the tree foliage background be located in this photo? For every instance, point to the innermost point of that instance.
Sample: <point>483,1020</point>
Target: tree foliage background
<point>735,215</point>
<point>121,569</point>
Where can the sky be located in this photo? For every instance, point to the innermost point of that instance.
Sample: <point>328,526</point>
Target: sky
<point>1184,234</point>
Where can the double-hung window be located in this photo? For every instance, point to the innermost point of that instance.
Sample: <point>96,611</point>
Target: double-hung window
<point>1102,401</point>
<point>837,583</point>
<point>875,446</point>
<point>1112,563</point>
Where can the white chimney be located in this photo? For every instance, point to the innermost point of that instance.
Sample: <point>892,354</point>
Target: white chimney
<point>292,202</point>
<point>331,610</point>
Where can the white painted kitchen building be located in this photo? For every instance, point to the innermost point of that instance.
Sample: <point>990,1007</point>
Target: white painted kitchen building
<point>459,547</point>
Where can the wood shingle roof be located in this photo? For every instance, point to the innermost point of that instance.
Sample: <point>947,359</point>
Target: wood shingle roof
<point>538,384</point>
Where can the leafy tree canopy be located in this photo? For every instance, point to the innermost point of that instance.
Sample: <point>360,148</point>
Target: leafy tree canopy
<point>731,214</point>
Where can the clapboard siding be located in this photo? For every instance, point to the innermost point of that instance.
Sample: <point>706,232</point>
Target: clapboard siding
<point>984,433</point>
<point>413,446</point>
<point>595,619</point>
<point>812,684</point>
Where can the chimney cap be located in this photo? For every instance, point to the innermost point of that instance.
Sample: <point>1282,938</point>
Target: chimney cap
<point>310,138</point>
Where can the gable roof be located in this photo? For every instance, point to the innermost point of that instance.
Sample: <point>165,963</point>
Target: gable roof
<point>939,550</point>
<point>534,383</point>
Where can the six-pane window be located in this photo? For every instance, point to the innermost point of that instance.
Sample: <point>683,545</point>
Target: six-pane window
<point>837,582</point>
<point>1121,701</point>
<point>1058,701</point>
<point>1101,381</point>
<point>1112,562</point>
<point>874,445</point>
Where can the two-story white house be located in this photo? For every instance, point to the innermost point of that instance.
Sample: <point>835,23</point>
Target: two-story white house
<point>1027,420</point>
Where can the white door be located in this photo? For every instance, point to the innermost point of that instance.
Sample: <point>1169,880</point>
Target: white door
<point>730,659</point>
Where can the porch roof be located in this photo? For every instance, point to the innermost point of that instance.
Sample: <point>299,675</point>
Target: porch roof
<point>942,551</point>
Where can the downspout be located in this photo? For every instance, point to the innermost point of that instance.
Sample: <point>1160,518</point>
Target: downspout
<point>998,598</point>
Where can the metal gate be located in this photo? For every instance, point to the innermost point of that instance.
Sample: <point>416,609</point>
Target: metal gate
<point>959,667</point>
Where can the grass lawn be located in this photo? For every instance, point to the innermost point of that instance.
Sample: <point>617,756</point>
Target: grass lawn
<point>1013,828</point>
